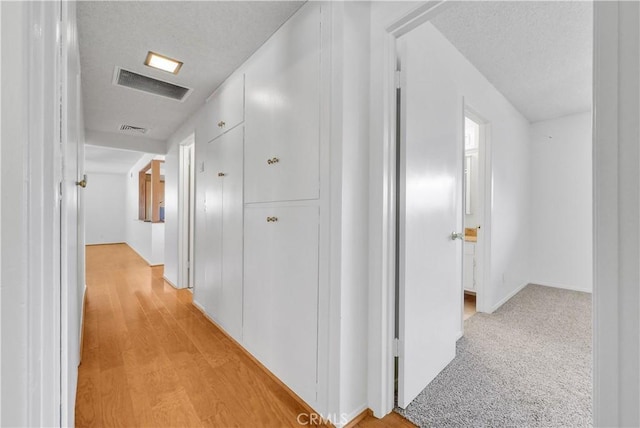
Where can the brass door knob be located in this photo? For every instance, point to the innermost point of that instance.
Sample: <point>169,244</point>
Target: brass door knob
<point>221,174</point>
<point>221,124</point>
<point>82,183</point>
<point>272,219</point>
<point>272,161</point>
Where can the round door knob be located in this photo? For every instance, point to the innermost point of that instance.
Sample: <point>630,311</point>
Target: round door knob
<point>221,174</point>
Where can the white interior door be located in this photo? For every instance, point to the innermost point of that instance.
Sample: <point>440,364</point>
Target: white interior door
<point>430,209</point>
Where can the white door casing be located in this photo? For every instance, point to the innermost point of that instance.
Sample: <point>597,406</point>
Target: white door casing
<point>430,199</point>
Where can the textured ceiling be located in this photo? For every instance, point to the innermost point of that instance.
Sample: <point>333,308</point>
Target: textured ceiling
<point>212,38</point>
<point>105,160</point>
<point>537,54</point>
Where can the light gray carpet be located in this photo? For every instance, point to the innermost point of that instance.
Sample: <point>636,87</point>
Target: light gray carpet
<point>526,365</point>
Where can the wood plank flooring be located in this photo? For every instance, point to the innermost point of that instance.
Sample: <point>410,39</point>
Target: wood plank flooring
<point>150,358</point>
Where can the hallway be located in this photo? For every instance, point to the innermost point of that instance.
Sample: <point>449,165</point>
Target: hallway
<point>151,358</point>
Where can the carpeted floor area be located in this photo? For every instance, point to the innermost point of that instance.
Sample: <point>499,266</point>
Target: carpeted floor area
<point>528,364</point>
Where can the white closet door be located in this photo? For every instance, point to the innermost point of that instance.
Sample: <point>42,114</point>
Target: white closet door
<point>207,295</point>
<point>281,293</point>
<point>230,298</point>
<point>282,116</point>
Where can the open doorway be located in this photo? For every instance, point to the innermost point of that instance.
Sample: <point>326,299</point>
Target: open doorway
<point>444,224</point>
<point>475,176</point>
<point>186,213</point>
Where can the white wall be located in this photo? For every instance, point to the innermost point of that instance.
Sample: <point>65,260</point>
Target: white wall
<point>40,312</point>
<point>126,142</point>
<point>105,212</point>
<point>350,60</point>
<point>13,284</point>
<point>561,202</point>
<point>146,238</point>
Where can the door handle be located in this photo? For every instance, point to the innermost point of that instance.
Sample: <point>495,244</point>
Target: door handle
<point>83,182</point>
<point>456,235</point>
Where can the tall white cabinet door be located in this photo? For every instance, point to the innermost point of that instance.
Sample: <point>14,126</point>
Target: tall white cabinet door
<point>230,298</point>
<point>281,293</point>
<point>206,294</point>
<point>282,113</point>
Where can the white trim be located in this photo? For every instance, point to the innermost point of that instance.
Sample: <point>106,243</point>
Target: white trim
<point>605,216</point>
<point>616,216</point>
<point>143,257</point>
<point>507,297</point>
<point>171,283</point>
<point>186,149</point>
<point>348,417</point>
<point>0,207</point>
<point>561,286</point>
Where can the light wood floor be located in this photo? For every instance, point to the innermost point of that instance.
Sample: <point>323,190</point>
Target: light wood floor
<point>469,305</point>
<point>150,358</point>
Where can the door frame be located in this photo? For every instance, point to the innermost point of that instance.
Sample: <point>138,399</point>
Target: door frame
<point>186,211</point>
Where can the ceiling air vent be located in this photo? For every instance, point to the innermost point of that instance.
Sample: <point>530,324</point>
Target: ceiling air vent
<point>133,129</point>
<point>150,85</point>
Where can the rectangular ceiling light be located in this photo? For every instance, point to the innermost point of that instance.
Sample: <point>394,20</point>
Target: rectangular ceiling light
<point>162,62</point>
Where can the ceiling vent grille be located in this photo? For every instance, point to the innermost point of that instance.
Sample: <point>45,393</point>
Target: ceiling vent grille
<point>134,129</point>
<point>139,82</point>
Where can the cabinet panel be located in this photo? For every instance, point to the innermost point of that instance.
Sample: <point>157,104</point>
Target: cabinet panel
<point>224,110</point>
<point>205,294</point>
<point>221,294</point>
<point>283,113</point>
<point>229,301</point>
<point>281,293</point>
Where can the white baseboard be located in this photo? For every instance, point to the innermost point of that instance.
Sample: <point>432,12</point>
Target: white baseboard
<point>89,244</point>
<point>459,335</point>
<point>143,257</point>
<point>507,297</point>
<point>348,417</point>
<point>562,286</point>
<point>172,284</point>
<point>199,306</point>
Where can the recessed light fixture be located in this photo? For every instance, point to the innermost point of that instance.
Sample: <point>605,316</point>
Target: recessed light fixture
<point>162,62</point>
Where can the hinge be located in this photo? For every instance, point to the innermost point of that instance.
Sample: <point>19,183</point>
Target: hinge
<point>396,347</point>
<point>60,191</point>
<point>397,78</point>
